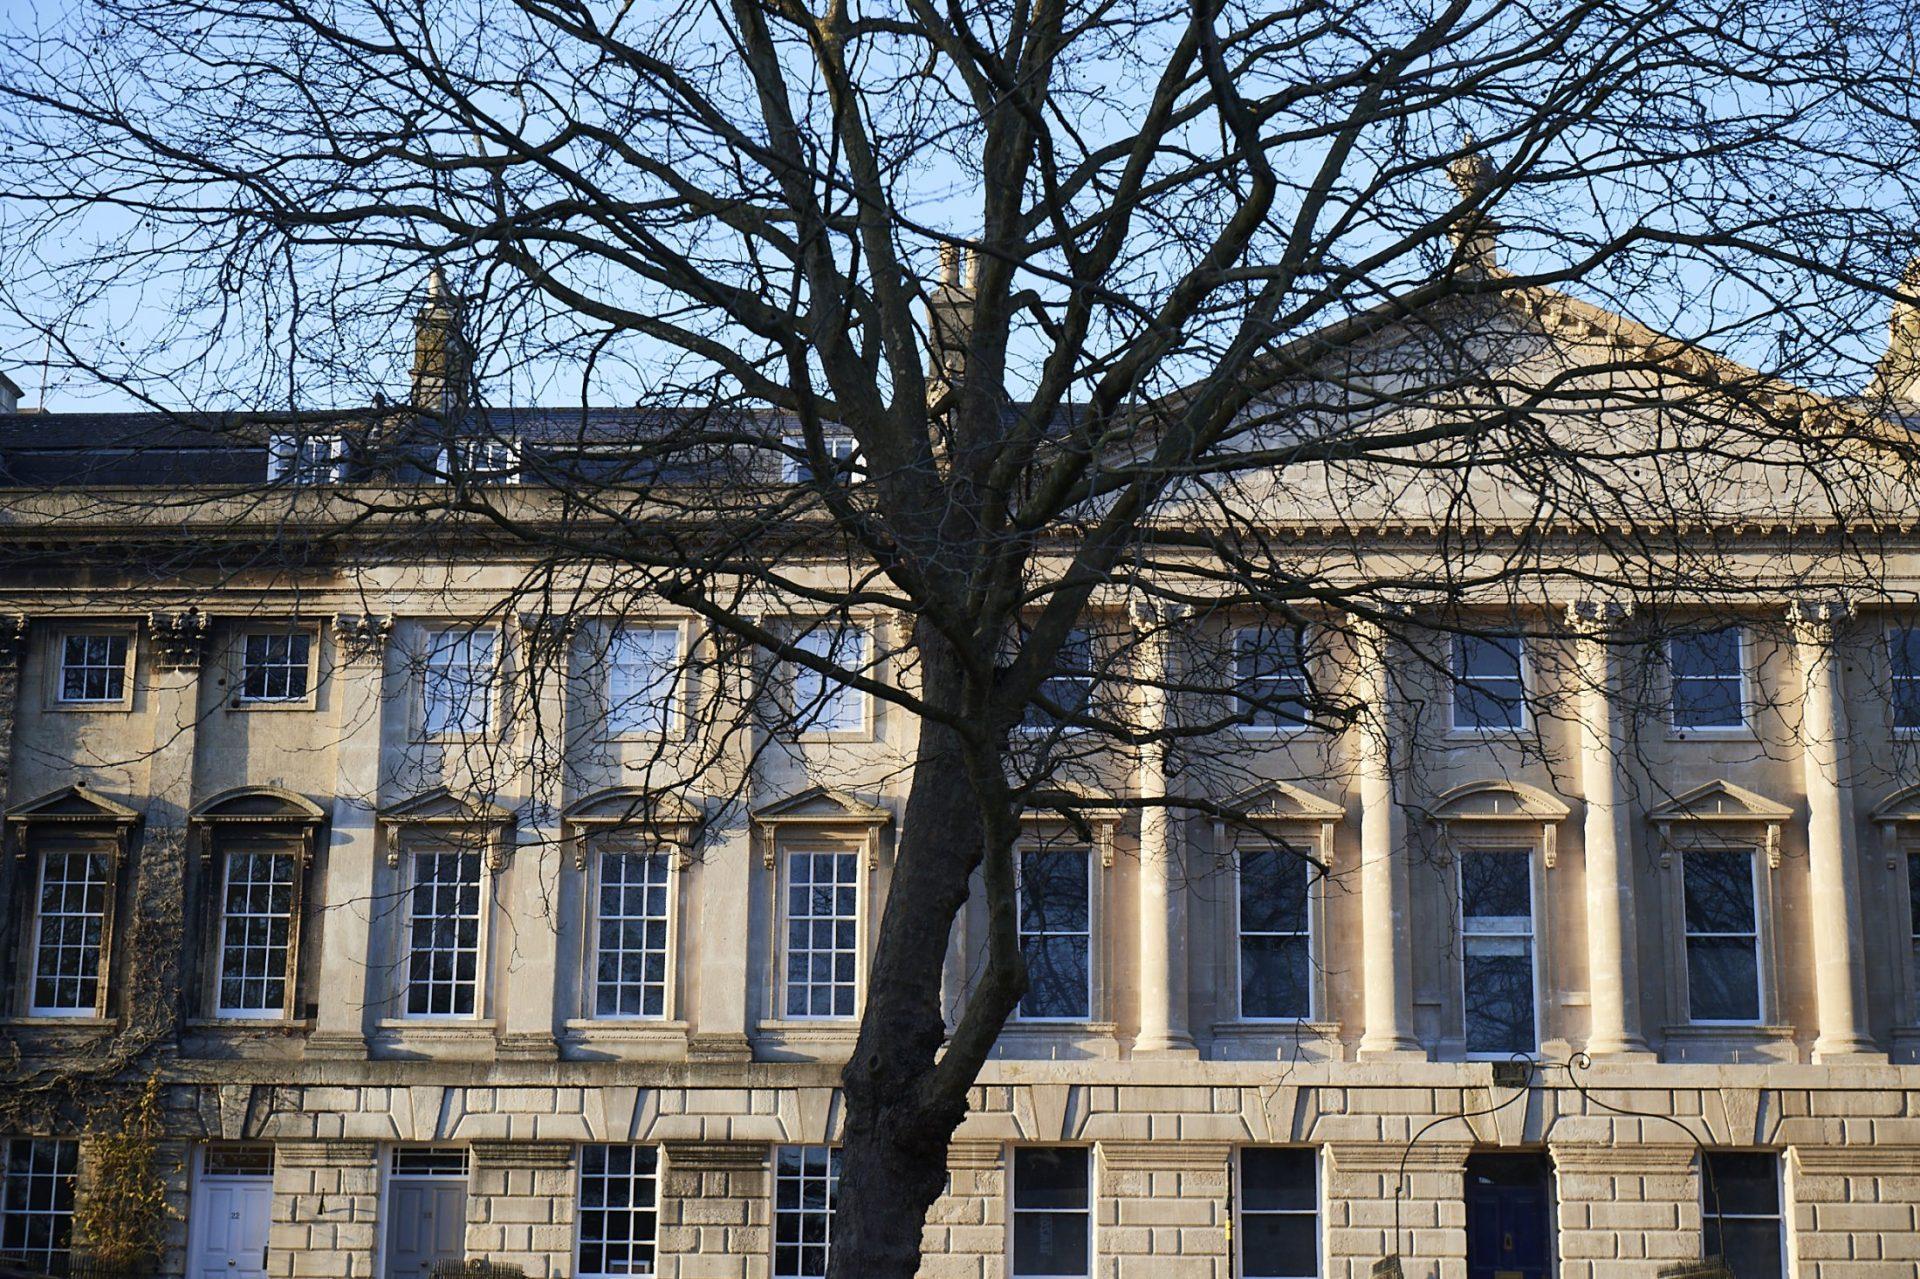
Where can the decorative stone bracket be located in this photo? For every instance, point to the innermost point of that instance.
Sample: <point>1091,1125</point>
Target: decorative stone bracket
<point>360,637</point>
<point>179,639</point>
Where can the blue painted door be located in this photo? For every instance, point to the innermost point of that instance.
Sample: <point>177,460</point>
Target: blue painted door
<point>1509,1217</point>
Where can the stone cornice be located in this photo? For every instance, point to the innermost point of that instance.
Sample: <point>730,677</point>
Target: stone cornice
<point>715,1156</point>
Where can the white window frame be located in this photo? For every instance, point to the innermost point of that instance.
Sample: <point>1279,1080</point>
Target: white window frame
<point>838,445</point>
<point>1031,722</point>
<point>782,977</point>
<point>412,852</point>
<point>57,669</point>
<point>803,1178</point>
<point>437,639</point>
<point>1459,680</point>
<point>1895,677</point>
<point>580,1241</point>
<point>1241,1212</point>
<point>1532,936</point>
<point>306,459</point>
<point>648,719</point>
<point>242,641</point>
<point>599,848</point>
<point>1760,965</point>
<point>102,958</point>
<point>288,967</point>
<point>55,1149</point>
<point>1246,639</point>
<point>1091,932</point>
<point>1778,1216</point>
<point>501,466</point>
<point>1743,676</point>
<point>1014,1210</point>
<point>1316,878</point>
<point>808,688</point>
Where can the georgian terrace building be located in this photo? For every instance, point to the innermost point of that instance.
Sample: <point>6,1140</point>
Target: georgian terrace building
<point>427,1018</point>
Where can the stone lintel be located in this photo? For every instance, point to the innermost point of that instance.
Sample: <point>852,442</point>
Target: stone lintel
<point>493,1153</point>
<point>975,1155</point>
<point>1859,1160</point>
<point>327,1154</point>
<point>1425,1156</point>
<point>1165,1156</point>
<point>716,1156</point>
<point>1656,1157</point>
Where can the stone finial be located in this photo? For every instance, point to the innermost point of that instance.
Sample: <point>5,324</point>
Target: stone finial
<point>1897,375</point>
<point>179,639</point>
<point>1474,232</point>
<point>1470,172</point>
<point>360,637</point>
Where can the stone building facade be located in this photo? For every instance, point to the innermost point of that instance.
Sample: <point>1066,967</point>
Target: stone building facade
<point>427,1019</point>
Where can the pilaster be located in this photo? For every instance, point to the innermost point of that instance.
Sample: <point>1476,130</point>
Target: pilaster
<point>530,918</point>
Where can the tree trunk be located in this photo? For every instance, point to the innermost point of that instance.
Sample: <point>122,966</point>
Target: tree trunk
<point>894,1160</point>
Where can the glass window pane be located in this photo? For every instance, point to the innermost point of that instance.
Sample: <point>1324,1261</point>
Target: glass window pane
<point>1278,1178</point>
<point>1719,891</point>
<point>1050,1177</point>
<point>1723,979</point>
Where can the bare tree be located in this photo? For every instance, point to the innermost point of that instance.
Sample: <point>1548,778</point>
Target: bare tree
<point>1236,317</point>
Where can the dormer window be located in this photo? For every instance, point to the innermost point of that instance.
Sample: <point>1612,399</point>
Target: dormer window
<point>480,461</point>
<point>794,468</point>
<point>306,459</point>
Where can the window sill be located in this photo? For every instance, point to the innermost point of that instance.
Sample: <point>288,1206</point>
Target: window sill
<point>122,707</point>
<point>278,1025</point>
<point>1712,735</point>
<point>1462,734</point>
<point>631,1039</point>
<point>1301,1040</point>
<point>290,704</point>
<point>1728,1043</point>
<point>1058,1041</point>
<point>44,1021</point>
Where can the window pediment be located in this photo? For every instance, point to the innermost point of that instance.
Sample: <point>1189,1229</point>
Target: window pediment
<point>265,805</point>
<point>667,817</point>
<point>1899,812</point>
<point>822,808</point>
<point>1065,804</point>
<point>441,807</point>
<point>1722,802</point>
<point>74,808</point>
<point>1278,805</point>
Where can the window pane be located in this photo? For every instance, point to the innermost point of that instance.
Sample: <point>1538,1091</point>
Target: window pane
<point>1050,1177</point>
<point>1055,910</point>
<point>68,932</point>
<point>617,1210</point>
<point>1723,979</point>
<point>1270,676</point>
<point>1904,649</point>
<point>1274,977</point>
<point>823,704</point>
<point>1705,654</point>
<point>822,933</point>
<point>1051,1220</point>
<point>1277,1178</point>
<point>1053,890</point>
<point>1719,892</point>
<point>1499,985</point>
<point>806,1181</point>
<point>254,930</point>
<point>631,953</point>
<point>1496,889</point>
<point>444,935</point>
<point>640,678</point>
<point>36,1204</point>
<point>1279,1221</point>
<point>1488,691</point>
<point>1746,1181</point>
<point>1273,891</point>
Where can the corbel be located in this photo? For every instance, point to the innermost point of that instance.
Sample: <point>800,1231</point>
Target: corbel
<point>1772,845</point>
<point>361,637</point>
<point>179,639</point>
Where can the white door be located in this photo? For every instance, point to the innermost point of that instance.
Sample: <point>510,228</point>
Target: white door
<point>228,1229</point>
<point>426,1222</point>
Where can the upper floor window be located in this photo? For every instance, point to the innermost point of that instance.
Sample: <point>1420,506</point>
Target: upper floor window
<point>1069,688</point>
<point>1275,958</point>
<point>1279,1213</point>
<point>1056,933</point>
<point>1489,687</point>
<point>1722,935</point>
<point>69,933</point>
<point>1270,677</point>
<point>1707,671</point>
<point>93,668</point>
<point>806,1182</point>
<point>276,666</point>
<point>842,450</point>
<point>1052,1211</point>
<point>619,1210</point>
<point>641,667</point>
<point>822,933</point>
<point>306,459</point>
<point>480,461</point>
<point>1496,949</point>
<point>256,922</point>
<point>1913,916</point>
<point>630,934</point>
<point>457,689</point>
<point>443,934</point>
<point>821,703</point>
<point>1740,1193</point>
<point>36,1203</point>
<point>1903,647</point>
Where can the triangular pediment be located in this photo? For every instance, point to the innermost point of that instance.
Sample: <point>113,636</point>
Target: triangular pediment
<point>264,804</point>
<point>1499,800</point>
<point>74,804</point>
<point>822,804</point>
<point>632,805</point>
<point>442,805</point>
<point>1721,801</point>
<point>1901,806</point>
<point>1284,802</point>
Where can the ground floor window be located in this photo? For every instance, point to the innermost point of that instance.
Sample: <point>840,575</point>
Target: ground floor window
<point>36,1204</point>
<point>1740,1190</point>
<point>806,1179</point>
<point>1279,1213</point>
<point>1052,1211</point>
<point>619,1197</point>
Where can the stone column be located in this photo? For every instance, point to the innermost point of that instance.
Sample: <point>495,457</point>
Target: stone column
<point>1839,982</point>
<point>530,896</point>
<point>346,991</point>
<point>1386,946</point>
<point>1161,964</point>
<point>1613,959</point>
<point>156,924</point>
<point>13,653</point>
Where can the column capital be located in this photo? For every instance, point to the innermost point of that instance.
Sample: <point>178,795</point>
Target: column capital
<point>362,637</point>
<point>13,640</point>
<point>1147,613</point>
<point>1598,616</point>
<point>179,639</point>
<point>1817,620</point>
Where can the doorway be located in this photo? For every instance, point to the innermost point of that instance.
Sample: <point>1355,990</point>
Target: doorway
<point>1510,1231</point>
<point>231,1207</point>
<point>426,1209</point>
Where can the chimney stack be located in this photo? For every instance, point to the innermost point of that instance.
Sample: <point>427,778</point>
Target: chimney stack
<point>1897,376</point>
<point>9,395</point>
<point>442,360</point>
<point>1475,234</point>
<point>950,319</point>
